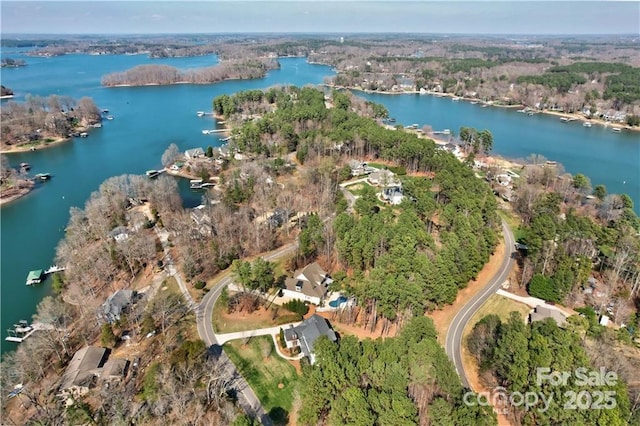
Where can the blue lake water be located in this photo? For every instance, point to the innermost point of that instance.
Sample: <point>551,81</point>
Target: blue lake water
<point>148,119</point>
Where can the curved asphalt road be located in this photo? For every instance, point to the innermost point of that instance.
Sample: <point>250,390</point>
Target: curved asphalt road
<point>453,341</point>
<point>246,396</point>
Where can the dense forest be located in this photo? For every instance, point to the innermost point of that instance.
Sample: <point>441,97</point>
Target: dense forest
<point>37,118</point>
<point>512,351</point>
<point>164,74</point>
<point>407,380</point>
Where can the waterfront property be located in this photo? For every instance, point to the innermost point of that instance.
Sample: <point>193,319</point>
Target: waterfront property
<point>305,334</point>
<point>309,284</point>
<point>117,304</point>
<point>194,153</point>
<point>86,366</point>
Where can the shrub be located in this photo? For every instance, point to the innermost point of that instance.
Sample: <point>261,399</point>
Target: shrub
<point>200,285</point>
<point>297,306</point>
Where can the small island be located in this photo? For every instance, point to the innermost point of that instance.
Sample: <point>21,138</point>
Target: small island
<point>12,63</point>
<point>144,75</point>
<point>39,122</point>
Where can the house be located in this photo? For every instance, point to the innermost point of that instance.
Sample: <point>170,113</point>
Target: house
<point>383,177</point>
<point>309,284</point>
<point>358,168</point>
<point>279,217</point>
<point>203,221</point>
<point>115,369</point>
<point>84,367</point>
<point>117,304</point>
<point>119,233</point>
<point>542,312</point>
<point>306,333</point>
<point>194,153</point>
<point>393,194</point>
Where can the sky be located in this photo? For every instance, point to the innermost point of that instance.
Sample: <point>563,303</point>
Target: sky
<point>313,16</point>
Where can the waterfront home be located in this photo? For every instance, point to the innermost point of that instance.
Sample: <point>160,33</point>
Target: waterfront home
<point>81,373</point>
<point>203,222</point>
<point>309,284</point>
<point>117,304</point>
<point>119,233</point>
<point>194,153</point>
<point>305,334</point>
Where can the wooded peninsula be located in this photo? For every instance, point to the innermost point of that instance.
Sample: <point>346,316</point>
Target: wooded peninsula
<point>399,244</point>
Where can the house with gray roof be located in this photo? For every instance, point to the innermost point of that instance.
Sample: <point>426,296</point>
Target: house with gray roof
<point>542,312</point>
<point>306,333</point>
<point>117,304</point>
<point>194,153</point>
<point>309,284</point>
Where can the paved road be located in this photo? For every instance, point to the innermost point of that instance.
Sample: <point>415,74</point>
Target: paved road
<point>246,396</point>
<point>453,342</point>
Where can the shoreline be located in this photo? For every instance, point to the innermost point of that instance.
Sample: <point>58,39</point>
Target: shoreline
<point>575,116</point>
<point>4,200</point>
<point>31,147</point>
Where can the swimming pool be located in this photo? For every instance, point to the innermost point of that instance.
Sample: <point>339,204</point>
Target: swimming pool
<point>339,301</point>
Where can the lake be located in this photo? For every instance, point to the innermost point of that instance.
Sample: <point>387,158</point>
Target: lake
<point>148,119</point>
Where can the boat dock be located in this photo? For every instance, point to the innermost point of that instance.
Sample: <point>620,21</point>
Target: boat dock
<point>53,269</point>
<point>22,331</point>
<point>154,173</point>
<point>34,277</point>
<point>212,131</point>
<point>567,119</point>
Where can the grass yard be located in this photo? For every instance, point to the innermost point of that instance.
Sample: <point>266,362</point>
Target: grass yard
<point>224,322</point>
<point>273,379</point>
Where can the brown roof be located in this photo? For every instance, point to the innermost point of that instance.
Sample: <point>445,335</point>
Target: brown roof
<point>312,280</point>
<point>115,368</point>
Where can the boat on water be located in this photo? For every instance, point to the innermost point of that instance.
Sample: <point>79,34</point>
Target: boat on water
<point>474,102</point>
<point>195,183</point>
<point>586,124</point>
<point>109,117</point>
<point>455,99</point>
<point>19,332</point>
<point>200,113</point>
<point>484,105</point>
<point>207,132</point>
<point>616,129</point>
<point>34,277</point>
<point>152,173</point>
<point>25,166</point>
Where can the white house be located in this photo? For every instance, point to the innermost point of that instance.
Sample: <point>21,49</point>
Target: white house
<point>308,284</point>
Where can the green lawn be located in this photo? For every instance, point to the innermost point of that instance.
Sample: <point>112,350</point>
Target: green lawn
<point>273,379</point>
